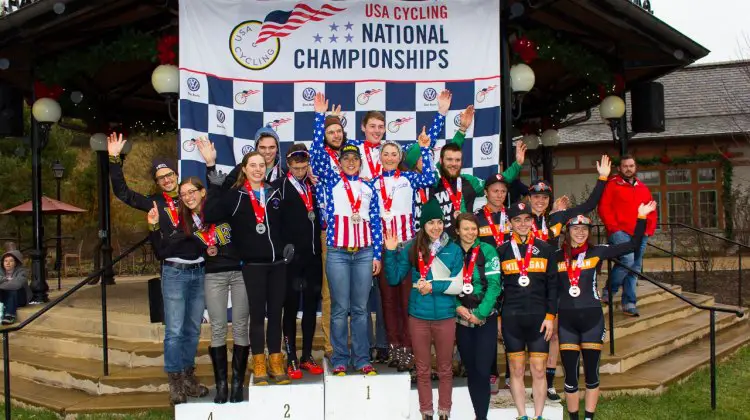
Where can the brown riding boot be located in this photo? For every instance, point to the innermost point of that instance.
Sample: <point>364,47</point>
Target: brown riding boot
<point>193,388</point>
<point>278,373</point>
<point>260,374</point>
<point>176,391</point>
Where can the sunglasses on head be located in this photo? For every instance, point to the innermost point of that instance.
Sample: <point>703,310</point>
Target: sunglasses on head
<point>298,153</point>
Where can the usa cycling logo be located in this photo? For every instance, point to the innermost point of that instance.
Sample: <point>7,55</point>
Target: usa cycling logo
<point>220,116</point>
<point>247,149</point>
<point>275,124</point>
<point>241,96</point>
<point>429,94</point>
<point>193,84</point>
<point>395,125</point>
<point>486,148</point>
<point>364,97</point>
<point>188,145</point>
<point>308,94</point>
<point>482,94</point>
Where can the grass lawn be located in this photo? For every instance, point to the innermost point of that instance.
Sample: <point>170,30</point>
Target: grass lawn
<point>690,400</point>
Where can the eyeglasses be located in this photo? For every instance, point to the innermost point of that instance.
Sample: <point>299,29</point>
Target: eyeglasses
<point>165,176</point>
<point>188,193</point>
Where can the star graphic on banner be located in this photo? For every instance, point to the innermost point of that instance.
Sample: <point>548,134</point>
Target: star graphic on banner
<point>349,26</point>
<point>334,27</point>
<point>349,38</point>
<point>317,37</point>
<point>333,38</point>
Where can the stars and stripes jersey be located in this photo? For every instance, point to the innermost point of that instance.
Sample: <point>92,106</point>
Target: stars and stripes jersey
<point>540,295</point>
<point>321,160</point>
<point>591,261</point>
<point>401,190</point>
<point>501,221</point>
<point>342,231</point>
<point>549,227</point>
<point>366,148</point>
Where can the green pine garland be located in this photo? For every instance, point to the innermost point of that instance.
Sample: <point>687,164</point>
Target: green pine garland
<point>727,171</point>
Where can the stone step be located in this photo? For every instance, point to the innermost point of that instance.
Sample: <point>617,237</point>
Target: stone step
<point>646,292</point>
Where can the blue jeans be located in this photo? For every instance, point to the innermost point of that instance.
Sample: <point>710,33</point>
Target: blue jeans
<point>349,281</point>
<point>374,304</point>
<point>622,277</point>
<point>12,300</point>
<point>182,291</point>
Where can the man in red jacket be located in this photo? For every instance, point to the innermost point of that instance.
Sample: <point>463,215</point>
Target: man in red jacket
<point>618,210</point>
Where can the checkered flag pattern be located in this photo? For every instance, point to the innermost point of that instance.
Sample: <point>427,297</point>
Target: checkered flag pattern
<point>229,112</point>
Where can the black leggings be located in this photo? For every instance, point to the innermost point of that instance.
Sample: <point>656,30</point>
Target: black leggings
<point>266,288</point>
<point>304,275</point>
<point>478,348</point>
<point>581,332</point>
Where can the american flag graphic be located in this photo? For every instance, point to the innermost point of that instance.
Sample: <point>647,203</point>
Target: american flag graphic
<point>280,23</point>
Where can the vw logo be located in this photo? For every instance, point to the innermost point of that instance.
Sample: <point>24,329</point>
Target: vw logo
<point>457,120</point>
<point>193,84</point>
<point>308,94</point>
<point>343,121</point>
<point>188,145</point>
<point>429,94</point>
<point>247,149</point>
<point>486,148</point>
<point>220,116</point>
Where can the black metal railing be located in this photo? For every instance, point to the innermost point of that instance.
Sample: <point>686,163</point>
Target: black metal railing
<point>105,346</point>
<point>712,320</point>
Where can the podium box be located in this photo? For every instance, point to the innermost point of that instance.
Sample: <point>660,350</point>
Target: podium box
<point>356,396</point>
<point>211,411</point>
<point>301,400</point>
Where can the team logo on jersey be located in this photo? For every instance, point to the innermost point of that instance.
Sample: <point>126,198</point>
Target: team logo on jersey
<point>364,97</point>
<point>495,264</point>
<point>429,94</point>
<point>241,96</point>
<point>188,145</point>
<point>308,94</point>
<point>275,124</point>
<point>193,84</point>
<point>396,124</point>
<point>220,116</point>
<point>482,94</point>
<point>247,149</point>
<point>486,148</point>
<point>275,203</point>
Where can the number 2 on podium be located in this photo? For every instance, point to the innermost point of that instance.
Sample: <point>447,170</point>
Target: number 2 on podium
<point>286,411</point>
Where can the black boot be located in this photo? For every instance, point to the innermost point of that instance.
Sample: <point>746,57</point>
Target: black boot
<point>219,361</point>
<point>239,367</point>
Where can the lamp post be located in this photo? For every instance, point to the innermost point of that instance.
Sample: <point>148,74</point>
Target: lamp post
<point>612,109</point>
<point>550,139</point>
<point>44,113</point>
<point>98,143</point>
<point>166,82</point>
<point>58,170</point>
<point>532,143</point>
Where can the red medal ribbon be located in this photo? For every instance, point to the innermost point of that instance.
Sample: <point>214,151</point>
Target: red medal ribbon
<point>304,192</point>
<point>173,214</point>
<point>209,237</point>
<point>523,264</point>
<point>333,156</point>
<point>388,201</point>
<point>455,198</point>
<point>574,274</point>
<point>424,269</point>
<point>469,269</point>
<point>375,170</point>
<point>497,234</point>
<point>258,207</point>
<point>542,234</point>
<point>356,204</point>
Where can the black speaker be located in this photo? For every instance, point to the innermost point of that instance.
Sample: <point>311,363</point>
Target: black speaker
<point>11,111</point>
<point>647,103</point>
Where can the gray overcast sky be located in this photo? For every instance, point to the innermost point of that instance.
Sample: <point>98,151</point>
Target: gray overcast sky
<point>719,25</point>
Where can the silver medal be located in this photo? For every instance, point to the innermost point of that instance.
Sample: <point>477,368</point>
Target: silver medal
<point>260,228</point>
<point>356,218</point>
<point>468,288</point>
<point>388,215</point>
<point>574,291</point>
<point>524,281</point>
<point>311,215</point>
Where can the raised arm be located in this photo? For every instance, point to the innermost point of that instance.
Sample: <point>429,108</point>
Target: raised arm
<point>120,188</point>
<point>614,251</point>
<point>427,177</point>
<point>603,167</point>
<point>376,225</point>
<point>396,262</point>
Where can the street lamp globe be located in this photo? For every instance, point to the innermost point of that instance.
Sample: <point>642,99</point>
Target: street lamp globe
<point>531,141</point>
<point>521,78</point>
<point>58,170</point>
<point>166,79</point>
<point>46,111</point>
<point>612,108</point>
<point>550,137</point>
<point>98,142</point>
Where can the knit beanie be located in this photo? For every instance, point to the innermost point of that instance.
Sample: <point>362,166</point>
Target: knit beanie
<point>162,163</point>
<point>413,153</point>
<point>430,210</point>
<point>266,131</point>
<point>330,120</point>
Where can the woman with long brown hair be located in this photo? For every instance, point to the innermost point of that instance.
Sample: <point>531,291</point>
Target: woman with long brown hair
<point>433,260</point>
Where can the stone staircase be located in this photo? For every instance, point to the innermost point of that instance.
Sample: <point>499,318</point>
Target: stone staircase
<point>56,362</point>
